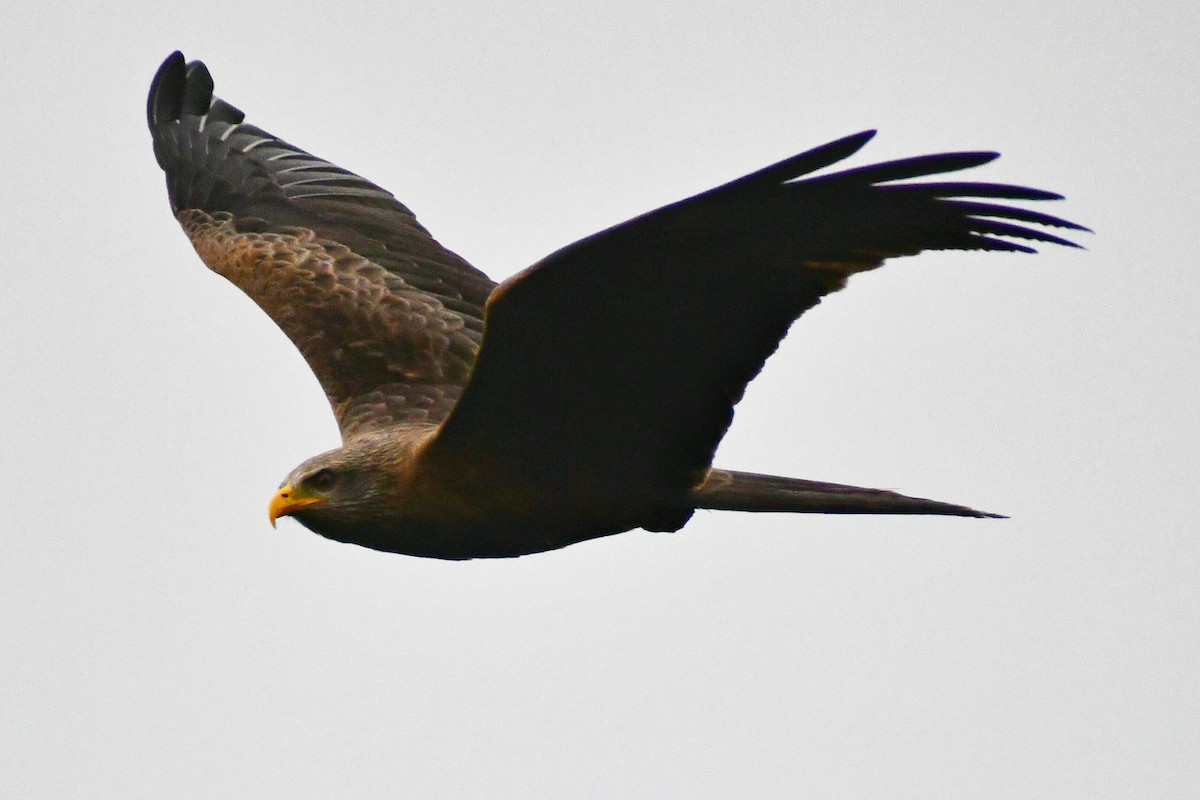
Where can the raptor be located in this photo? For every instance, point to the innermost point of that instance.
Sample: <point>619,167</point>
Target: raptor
<point>584,396</point>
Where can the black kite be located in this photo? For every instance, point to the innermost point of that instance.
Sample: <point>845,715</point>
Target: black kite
<point>586,395</point>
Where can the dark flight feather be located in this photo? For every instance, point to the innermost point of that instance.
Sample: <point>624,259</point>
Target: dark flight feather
<point>642,338</point>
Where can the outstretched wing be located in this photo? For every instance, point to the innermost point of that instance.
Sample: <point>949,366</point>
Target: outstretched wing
<point>617,361</point>
<point>388,319</point>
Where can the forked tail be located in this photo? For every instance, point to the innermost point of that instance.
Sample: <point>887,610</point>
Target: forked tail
<point>744,491</point>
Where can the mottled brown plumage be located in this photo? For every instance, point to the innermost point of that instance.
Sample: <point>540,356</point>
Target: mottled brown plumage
<point>586,395</point>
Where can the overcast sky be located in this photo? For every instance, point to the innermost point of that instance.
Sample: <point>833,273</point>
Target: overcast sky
<point>158,639</point>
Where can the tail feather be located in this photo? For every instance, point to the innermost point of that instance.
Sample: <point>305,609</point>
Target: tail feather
<point>744,491</point>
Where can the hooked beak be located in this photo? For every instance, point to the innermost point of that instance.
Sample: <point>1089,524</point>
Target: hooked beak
<point>288,501</point>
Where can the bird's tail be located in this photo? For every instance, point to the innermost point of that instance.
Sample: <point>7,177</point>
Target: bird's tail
<point>744,491</point>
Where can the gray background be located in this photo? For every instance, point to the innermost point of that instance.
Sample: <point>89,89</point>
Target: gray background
<point>158,639</point>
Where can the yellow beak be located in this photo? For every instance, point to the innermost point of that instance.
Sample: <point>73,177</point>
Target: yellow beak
<point>288,501</point>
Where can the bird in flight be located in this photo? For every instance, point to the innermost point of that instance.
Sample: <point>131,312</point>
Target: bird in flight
<point>586,395</point>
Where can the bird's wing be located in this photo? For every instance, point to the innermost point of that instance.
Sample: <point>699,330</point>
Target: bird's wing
<point>389,320</point>
<point>619,359</point>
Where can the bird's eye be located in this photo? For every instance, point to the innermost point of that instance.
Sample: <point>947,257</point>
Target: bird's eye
<point>322,480</point>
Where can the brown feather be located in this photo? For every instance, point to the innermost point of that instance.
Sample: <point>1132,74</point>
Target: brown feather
<point>388,319</point>
<point>383,351</point>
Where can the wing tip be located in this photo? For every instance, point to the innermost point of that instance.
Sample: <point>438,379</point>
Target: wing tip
<point>857,139</point>
<point>166,90</point>
<point>181,87</point>
<point>198,89</point>
<point>799,165</point>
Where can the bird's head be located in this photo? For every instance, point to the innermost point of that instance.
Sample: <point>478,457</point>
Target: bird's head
<point>354,487</point>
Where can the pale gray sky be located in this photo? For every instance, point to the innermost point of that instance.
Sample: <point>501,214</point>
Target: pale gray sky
<point>158,639</point>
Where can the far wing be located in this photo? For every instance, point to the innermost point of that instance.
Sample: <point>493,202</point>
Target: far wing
<point>616,362</point>
<point>388,319</point>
